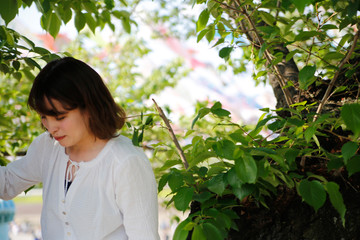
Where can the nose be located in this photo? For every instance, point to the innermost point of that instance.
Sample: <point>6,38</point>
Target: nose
<point>50,124</point>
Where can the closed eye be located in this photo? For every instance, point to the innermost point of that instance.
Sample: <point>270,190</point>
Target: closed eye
<point>59,118</point>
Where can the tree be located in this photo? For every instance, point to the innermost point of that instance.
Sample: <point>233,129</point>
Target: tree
<point>242,184</point>
<point>308,51</point>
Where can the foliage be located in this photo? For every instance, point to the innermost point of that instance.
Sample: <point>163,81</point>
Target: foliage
<point>237,167</point>
<point>306,49</point>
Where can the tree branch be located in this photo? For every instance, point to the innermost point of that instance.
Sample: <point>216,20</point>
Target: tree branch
<point>172,135</point>
<point>331,85</point>
<point>281,79</point>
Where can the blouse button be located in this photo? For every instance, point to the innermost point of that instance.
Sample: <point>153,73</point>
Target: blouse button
<point>64,213</point>
<point>69,233</point>
<point>63,201</point>
<point>67,223</point>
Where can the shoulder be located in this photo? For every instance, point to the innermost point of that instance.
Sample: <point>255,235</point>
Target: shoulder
<point>124,146</point>
<point>123,152</point>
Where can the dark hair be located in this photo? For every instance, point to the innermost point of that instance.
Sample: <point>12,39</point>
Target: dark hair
<point>76,85</point>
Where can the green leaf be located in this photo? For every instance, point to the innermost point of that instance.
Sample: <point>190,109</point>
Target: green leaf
<point>243,191</point>
<point>202,34</point>
<point>313,193</point>
<point>110,4</point>
<point>219,111</point>
<point>203,20</point>
<point>80,21</point>
<point>246,168</point>
<point>135,137</point>
<point>125,22</point>
<point>45,5</point>
<point>183,198</point>
<point>121,14</point>
<point>212,232</point>
<point>267,17</point>
<point>303,36</point>
<point>217,184</point>
<point>51,23</point>
<point>16,65</point>
<point>225,149</point>
<point>309,133</point>
<point>210,34</point>
<point>31,63</point>
<point>343,40</point>
<point>263,167</point>
<point>89,6</point>
<point>262,49</point>
<point>353,165</point>
<point>180,232</point>
<point>202,197</point>
<point>202,113</point>
<point>336,199</point>
<point>225,52</point>
<point>175,181</point>
<point>8,10</point>
<point>350,113</point>
<point>238,136</point>
<point>17,75</point>
<point>220,41</point>
<point>162,182</point>
<point>198,233</point>
<point>306,76</point>
<point>28,41</point>
<point>55,24</point>
<point>90,21</point>
<point>65,14</point>
<point>333,55</point>
<point>300,4</point>
<point>233,179</point>
<point>291,155</point>
<point>328,27</point>
<point>348,150</point>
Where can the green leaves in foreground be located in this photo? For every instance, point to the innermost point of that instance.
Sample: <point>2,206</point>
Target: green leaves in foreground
<point>216,109</point>
<point>306,77</point>
<point>350,113</point>
<point>8,10</point>
<point>314,193</point>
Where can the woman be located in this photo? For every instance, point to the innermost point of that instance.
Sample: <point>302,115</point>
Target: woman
<point>96,184</point>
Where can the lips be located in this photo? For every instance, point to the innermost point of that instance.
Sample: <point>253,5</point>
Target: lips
<point>59,138</point>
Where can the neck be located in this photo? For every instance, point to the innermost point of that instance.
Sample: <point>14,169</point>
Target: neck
<point>86,152</point>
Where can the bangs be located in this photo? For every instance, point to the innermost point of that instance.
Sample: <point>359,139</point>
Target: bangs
<point>40,106</point>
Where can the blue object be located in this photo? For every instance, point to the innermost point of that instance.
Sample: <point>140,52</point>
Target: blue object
<point>7,212</point>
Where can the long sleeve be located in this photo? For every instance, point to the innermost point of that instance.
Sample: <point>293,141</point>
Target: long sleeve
<point>136,197</point>
<point>21,174</point>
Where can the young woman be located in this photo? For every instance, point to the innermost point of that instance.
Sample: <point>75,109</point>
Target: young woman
<point>96,184</point>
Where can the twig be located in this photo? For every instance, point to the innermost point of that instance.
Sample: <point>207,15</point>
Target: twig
<point>228,6</point>
<point>331,85</point>
<point>281,79</point>
<point>172,135</point>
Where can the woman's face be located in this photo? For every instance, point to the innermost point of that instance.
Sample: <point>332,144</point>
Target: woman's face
<point>69,128</point>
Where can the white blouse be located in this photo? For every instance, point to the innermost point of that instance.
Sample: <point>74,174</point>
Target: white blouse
<point>114,196</point>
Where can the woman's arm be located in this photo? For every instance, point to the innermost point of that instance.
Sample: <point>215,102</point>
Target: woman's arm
<point>136,196</point>
<point>21,174</point>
